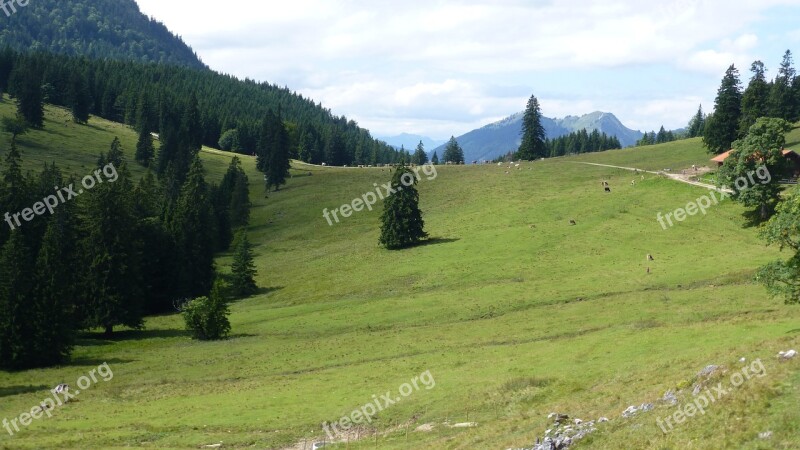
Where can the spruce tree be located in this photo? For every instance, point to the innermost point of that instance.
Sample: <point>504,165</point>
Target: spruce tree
<point>401,222</point>
<point>79,98</point>
<point>243,270</point>
<point>697,124</point>
<point>145,151</point>
<point>157,244</point>
<point>30,100</point>
<point>240,202</point>
<point>194,230</point>
<point>420,157</point>
<point>113,250</point>
<point>58,289</point>
<point>15,194</point>
<point>453,153</point>
<point>755,100</point>
<point>278,167</point>
<point>18,316</point>
<point>435,159</point>
<point>533,134</point>
<point>781,97</point>
<point>723,125</point>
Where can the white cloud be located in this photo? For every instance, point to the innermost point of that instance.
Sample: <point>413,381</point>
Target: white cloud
<point>440,64</point>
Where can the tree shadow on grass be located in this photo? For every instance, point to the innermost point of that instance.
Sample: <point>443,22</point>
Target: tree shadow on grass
<point>267,290</point>
<point>94,362</point>
<point>17,390</point>
<point>130,335</point>
<point>435,241</point>
<point>241,335</point>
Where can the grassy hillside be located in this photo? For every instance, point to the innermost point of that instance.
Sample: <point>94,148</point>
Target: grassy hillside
<point>514,312</point>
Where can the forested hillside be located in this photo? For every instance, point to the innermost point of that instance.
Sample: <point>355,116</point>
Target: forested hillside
<point>132,92</point>
<point>114,29</point>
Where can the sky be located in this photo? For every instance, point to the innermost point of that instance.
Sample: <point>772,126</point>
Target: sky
<point>440,68</point>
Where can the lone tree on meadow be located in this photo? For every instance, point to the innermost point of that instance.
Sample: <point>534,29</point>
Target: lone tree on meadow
<point>722,127</point>
<point>435,159</point>
<point>534,145</point>
<point>755,167</point>
<point>401,223</point>
<point>453,153</point>
<point>243,271</point>
<point>420,157</point>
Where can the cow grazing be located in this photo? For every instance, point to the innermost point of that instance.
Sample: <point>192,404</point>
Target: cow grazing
<point>608,189</point>
<point>650,257</point>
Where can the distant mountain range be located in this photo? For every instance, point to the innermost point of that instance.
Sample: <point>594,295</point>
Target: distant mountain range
<point>497,139</point>
<point>410,141</point>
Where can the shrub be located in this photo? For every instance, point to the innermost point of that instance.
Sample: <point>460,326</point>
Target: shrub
<point>207,317</point>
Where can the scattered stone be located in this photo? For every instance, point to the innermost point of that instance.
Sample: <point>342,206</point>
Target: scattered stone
<point>789,354</point>
<point>426,427</point>
<point>633,410</point>
<point>742,360</point>
<point>670,398</point>
<point>708,371</point>
<point>765,435</point>
<point>602,419</point>
<point>465,425</point>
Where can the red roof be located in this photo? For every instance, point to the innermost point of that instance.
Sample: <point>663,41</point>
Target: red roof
<point>723,156</point>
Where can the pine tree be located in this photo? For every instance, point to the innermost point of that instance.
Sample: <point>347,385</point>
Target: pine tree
<point>755,100</point>
<point>243,270</point>
<point>145,151</point>
<point>781,98</point>
<point>30,101</point>
<point>240,202</point>
<point>194,230</point>
<point>697,124</point>
<point>58,286</point>
<point>533,134</point>
<point>113,250</point>
<point>420,157</point>
<point>453,153</point>
<point>435,159</point>
<point>401,223</point>
<point>661,137</point>
<point>18,316</point>
<point>278,165</point>
<point>723,125</point>
<point>79,98</point>
<point>159,272</point>
<point>15,193</point>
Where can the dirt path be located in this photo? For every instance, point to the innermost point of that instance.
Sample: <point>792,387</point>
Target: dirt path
<point>683,177</point>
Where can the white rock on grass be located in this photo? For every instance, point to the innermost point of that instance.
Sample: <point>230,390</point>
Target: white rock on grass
<point>789,354</point>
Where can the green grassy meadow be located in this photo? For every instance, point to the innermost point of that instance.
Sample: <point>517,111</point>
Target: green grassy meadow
<point>514,312</point>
